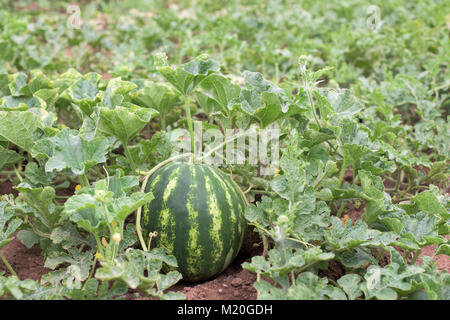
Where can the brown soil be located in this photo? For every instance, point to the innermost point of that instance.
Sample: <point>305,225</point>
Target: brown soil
<point>27,263</point>
<point>442,261</point>
<point>7,188</point>
<point>234,283</point>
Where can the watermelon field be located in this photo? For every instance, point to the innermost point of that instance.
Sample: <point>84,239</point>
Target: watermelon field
<point>224,150</point>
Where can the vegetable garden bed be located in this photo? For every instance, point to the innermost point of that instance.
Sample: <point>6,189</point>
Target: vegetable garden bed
<point>322,133</point>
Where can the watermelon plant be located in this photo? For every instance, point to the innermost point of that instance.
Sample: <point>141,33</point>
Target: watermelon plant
<point>134,151</point>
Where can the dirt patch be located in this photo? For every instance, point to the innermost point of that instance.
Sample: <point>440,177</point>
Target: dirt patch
<point>7,188</point>
<point>27,263</point>
<point>234,283</point>
<point>335,270</point>
<point>442,261</point>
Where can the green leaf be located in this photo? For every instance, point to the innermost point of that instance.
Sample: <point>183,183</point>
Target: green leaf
<point>28,238</point>
<point>355,258</point>
<point>81,209</point>
<point>443,249</point>
<point>324,106</point>
<point>344,103</point>
<point>158,96</point>
<point>262,100</point>
<point>141,270</point>
<point>426,201</point>
<point>26,290</point>
<point>85,93</point>
<point>8,157</point>
<point>187,77</point>
<point>8,225</point>
<point>388,282</point>
<point>221,90</point>
<point>72,276</point>
<point>67,150</point>
<point>91,212</point>
<point>38,81</point>
<point>124,123</point>
<point>42,202</point>
<point>351,283</point>
<point>19,127</point>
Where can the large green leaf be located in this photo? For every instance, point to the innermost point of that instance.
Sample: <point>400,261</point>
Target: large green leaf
<point>124,123</point>
<point>187,77</point>
<point>67,150</point>
<point>221,90</point>
<point>141,270</point>
<point>8,157</point>
<point>262,99</point>
<point>19,127</point>
<point>8,225</point>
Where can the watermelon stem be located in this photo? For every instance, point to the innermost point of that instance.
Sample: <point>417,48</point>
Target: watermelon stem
<point>219,146</point>
<point>189,121</point>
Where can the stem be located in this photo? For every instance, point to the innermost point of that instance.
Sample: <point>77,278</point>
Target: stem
<point>265,245</point>
<point>99,245</point>
<point>240,191</point>
<point>380,255</point>
<point>189,121</point>
<point>293,278</point>
<point>163,122</point>
<point>222,144</point>
<point>84,181</point>
<point>129,156</point>
<point>306,85</point>
<point>91,273</point>
<point>8,265</point>
<point>249,188</point>
<point>399,180</point>
<point>18,174</point>
<point>341,208</point>
<point>341,174</point>
<point>416,255</point>
<point>271,193</point>
<point>40,233</point>
<point>309,265</point>
<point>408,253</point>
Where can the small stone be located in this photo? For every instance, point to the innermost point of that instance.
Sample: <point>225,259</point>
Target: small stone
<point>224,285</point>
<point>236,282</point>
<point>235,293</point>
<point>220,290</point>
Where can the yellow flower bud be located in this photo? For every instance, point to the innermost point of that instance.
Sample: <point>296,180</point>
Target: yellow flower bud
<point>344,219</point>
<point>20,169</point>
<point>104,242</point>
<point>116,237</point>
<point>114,224</point>
<point>366,264</point>
<point>98,256</point>
<point>77,187</point>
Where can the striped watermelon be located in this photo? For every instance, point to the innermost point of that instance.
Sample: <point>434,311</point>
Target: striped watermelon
<point>198,213</point>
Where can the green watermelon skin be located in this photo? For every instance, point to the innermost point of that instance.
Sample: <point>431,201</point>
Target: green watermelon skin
<point>198,213</point>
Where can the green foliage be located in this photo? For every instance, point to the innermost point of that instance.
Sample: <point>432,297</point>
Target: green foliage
<point>363,119</point>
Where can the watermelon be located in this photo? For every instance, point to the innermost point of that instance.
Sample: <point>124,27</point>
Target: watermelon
<point>198,214</point>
